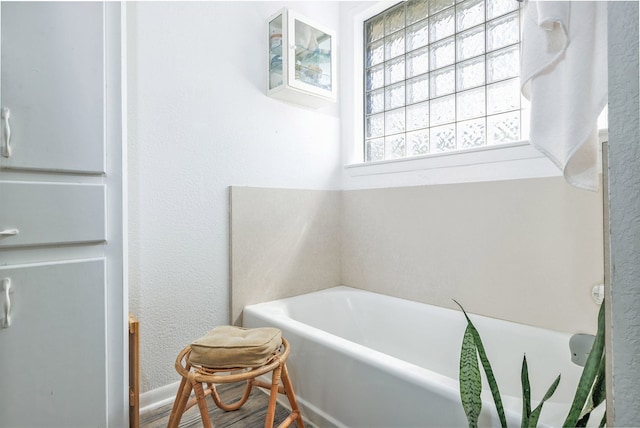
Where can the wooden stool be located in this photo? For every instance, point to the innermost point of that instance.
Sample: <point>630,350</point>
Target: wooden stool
<point>193,376</point>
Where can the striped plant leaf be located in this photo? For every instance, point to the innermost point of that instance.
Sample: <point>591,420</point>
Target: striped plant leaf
<point>526,393</point>
<point>599,392</point>
<point>535,414</point>
<point>584,420</point>
<point>470,381</point>
<point>588,376</point>
<point>493,385</point>
<point>597,396</point>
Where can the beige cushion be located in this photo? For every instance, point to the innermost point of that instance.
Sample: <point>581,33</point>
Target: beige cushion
<point>228,347</point>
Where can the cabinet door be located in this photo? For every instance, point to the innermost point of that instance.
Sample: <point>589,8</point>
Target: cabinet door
<point>312,64</point>
<point>53,85</point>
<point>53,354</point>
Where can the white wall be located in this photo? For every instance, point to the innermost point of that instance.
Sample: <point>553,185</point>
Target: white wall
<point>624,182</point>
<point>199,121</point>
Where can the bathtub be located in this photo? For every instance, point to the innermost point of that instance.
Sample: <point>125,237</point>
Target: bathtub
<point>361,359</point>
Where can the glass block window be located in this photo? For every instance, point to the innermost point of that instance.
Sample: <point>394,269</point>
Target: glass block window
<point>440,76</point>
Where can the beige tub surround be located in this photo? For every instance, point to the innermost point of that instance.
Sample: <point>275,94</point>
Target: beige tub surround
<point>284,242</point>
<point>527,251</point>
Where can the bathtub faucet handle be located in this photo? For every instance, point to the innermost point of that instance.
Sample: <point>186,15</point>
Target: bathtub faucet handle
<point>580,346</point>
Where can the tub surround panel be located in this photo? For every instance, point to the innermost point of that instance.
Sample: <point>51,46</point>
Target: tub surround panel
<point>527,251</point>
<point>284,242</point>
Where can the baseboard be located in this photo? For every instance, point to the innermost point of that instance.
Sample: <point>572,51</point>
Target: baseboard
<point>152,400</point>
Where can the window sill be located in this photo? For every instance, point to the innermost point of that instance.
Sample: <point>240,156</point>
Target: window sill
<point>511,161</point>
<point>510,151</point>
<point>504,162</point>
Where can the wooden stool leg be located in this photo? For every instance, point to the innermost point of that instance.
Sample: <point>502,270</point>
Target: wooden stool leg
<point>202,404</point>
<point>288,391</point>
<point>237,404</point>
<point>184,391</point>
<point>273,395</point>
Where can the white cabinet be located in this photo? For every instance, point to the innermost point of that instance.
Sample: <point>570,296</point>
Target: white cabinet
<point>302,60</point>
<point>62,302</point>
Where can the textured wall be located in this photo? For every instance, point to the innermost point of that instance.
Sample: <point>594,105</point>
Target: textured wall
<point>523,250</point>
<point>284,242</point>
<point>199,121</point>
<point>624,196</point>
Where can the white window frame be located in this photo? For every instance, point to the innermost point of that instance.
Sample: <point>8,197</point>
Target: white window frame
<point>507,161</point>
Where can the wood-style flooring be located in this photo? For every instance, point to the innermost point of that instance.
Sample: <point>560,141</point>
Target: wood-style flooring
<point>251,415</point>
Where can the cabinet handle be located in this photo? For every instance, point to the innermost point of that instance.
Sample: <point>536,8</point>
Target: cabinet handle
<point>6,286</point>
<point>6,130</point>
<point>9,232</point>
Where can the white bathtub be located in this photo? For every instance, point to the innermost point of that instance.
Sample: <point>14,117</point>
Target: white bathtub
<point>361,359</point>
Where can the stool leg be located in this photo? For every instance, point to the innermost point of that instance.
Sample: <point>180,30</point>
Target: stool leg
<point>202,404</point>
<point>273,395</point>
<point>233,406</point>
<point>288,390</point>
<point>184,391</point>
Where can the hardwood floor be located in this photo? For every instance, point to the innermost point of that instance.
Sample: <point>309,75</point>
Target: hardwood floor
<point>251,415</point>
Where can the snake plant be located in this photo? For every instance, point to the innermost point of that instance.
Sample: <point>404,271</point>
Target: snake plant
<point>589,394</point>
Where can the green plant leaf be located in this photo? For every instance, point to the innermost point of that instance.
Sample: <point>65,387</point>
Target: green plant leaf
<point>535,414</point>
<point>526,393</point>
<point>599,392</point>
<point>550,391</point>
<point>588,376</point>
<point>470,381</point>
<point>597,396</point>
<point>493,385</point>
<point>582,422</point>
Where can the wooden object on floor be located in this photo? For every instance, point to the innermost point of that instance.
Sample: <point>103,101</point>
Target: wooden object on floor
<point>193,378</point>
<point>134,372</point>
<point>252,414</point>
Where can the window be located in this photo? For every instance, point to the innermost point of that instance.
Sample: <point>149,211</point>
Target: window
<point>441,76</point>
